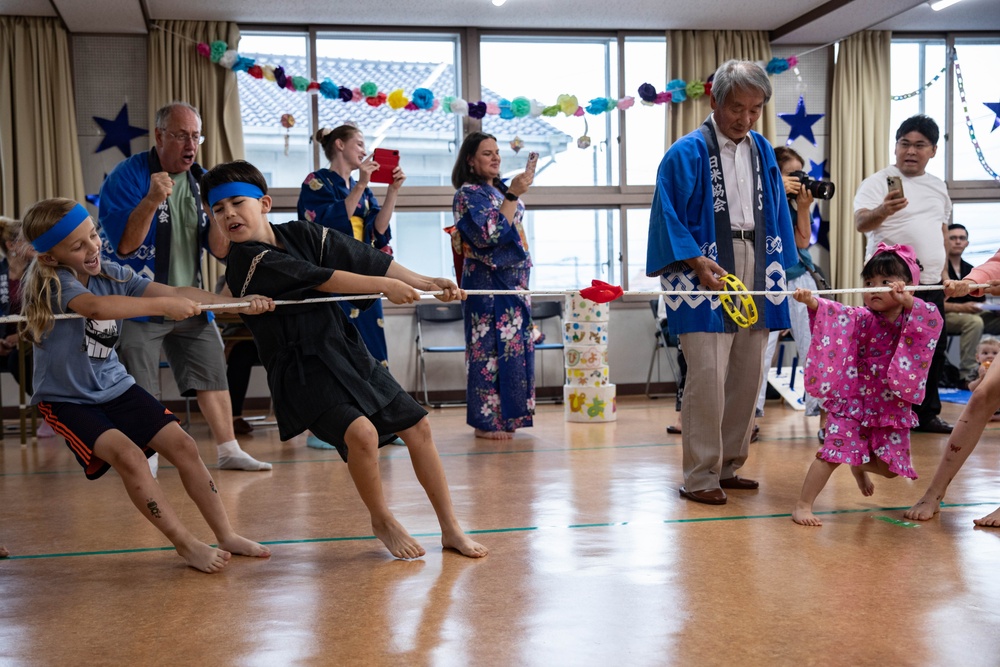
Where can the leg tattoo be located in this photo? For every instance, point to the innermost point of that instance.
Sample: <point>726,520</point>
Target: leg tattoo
<point>153,508</point>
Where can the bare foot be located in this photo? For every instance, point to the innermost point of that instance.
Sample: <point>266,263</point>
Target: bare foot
<point>463,544</point>
<point>864,482</point>
<point>924,510</point>
<point>202,557</point>
<point>991,520</point>
<point>494,435</point>
<point>241,546</point>
<point>802,515</point>
<point>3,552</point>
<point>395,538</point>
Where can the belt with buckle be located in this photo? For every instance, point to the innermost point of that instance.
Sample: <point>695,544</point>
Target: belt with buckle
<point>745,234</point>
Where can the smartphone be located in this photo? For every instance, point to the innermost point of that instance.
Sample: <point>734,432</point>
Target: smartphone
<point>895,183</point>
<point>387,161</point>
<point>529,169</point>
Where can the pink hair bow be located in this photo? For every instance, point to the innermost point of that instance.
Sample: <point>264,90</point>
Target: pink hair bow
<point>905,253</point>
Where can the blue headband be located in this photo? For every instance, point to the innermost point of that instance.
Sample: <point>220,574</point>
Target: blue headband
<point>235,189</point>
<point>59,231</point>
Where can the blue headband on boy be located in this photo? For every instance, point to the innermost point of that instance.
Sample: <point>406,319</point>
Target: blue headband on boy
<point>59,231</point>
<point>235,189</point>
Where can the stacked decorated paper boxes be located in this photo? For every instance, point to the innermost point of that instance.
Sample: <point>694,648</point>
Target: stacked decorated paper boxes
<point>588,395</point>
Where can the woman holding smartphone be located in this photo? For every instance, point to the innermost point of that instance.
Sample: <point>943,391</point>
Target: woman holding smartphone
<point>499,350</point>
<point>332,198</point>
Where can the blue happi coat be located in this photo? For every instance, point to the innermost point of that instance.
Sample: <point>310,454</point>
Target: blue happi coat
<point>682,225</point>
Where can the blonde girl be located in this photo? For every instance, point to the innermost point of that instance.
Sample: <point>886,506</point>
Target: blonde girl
<point>85,393</point>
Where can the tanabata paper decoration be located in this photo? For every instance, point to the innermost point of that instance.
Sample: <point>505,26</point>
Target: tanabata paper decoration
<point>801,123</point>
<point>287,122</point>
<point>118,133</point>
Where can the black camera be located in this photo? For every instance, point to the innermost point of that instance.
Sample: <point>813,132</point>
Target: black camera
<point>819,189</point>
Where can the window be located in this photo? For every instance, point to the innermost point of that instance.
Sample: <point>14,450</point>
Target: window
<point>588,69</point>
<point>419,242</point>
<point>914,63</point>
<point>569,248</point>
<point>976,58</point>
<point>426,140</point>
<point>283,155</point>
<point>980,218</point>
<point>637,231</point>
<point>646,127</point>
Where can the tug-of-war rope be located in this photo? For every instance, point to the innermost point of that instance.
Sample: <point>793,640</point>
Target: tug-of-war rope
<point>598,292</point>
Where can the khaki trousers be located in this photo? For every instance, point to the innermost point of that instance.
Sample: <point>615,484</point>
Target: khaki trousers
<point>724,373</point>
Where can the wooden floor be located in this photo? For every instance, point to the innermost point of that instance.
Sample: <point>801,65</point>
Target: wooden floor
<point>595,560</point>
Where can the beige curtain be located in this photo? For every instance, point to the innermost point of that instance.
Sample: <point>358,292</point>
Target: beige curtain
<point>695,55</point>
<point>178,72</point>
<point>859,131</point>
<point>39,153</point>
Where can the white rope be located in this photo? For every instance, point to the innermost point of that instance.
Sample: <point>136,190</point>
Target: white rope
<point>528,292</point>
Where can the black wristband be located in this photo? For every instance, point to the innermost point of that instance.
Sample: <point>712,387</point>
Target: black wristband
<point>510,196</point>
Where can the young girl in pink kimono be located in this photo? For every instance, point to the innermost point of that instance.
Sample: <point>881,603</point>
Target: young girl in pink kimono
<point>869,365</point>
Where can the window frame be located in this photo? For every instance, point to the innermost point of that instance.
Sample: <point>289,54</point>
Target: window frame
<point>959,190</point>
<point>439,198</point>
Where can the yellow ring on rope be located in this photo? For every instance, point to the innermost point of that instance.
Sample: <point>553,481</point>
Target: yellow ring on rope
<point>731,282</point>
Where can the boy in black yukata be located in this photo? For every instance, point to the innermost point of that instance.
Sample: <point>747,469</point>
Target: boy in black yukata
<point>319,371</point>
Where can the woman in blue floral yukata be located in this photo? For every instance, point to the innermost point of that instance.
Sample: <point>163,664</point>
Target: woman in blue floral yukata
<point>499,350</point>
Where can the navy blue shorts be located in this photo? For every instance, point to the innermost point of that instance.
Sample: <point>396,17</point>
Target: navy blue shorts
<point>135,413</point>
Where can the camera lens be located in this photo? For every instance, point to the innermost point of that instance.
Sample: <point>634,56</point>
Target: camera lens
<point>818,189</point>
<point>821,189</point>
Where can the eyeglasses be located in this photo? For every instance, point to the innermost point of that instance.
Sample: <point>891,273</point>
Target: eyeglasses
<point>906,145</point>
<point>183,138</point>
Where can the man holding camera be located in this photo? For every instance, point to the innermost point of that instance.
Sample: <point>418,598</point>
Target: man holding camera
<point>916,215</point>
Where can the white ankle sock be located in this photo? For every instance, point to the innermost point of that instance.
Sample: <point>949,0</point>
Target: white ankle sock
<point>232,457</point>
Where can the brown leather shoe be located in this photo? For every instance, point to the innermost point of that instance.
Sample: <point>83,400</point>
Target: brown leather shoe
<point>737,482</point>
<point>707,496</point>
<point>242,426</point>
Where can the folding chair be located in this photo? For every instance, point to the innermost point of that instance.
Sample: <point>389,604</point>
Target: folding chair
<point>663,341</point>
<point>443,316</point>
<point>541,311</point>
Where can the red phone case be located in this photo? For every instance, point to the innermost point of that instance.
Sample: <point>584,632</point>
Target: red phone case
<point>387,161</point>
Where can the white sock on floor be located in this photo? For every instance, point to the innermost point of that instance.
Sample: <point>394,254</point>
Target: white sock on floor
<point>154,464</point>
<point>232,457</point>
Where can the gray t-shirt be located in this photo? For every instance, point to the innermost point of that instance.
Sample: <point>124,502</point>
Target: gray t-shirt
<point>77,362</point>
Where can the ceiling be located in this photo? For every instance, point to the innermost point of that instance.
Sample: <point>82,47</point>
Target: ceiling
<point>788,21</point>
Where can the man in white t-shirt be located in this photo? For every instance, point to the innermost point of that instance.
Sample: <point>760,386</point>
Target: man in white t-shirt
<point>918,216</point>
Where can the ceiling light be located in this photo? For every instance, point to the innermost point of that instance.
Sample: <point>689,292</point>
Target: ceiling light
<point>499,3</point>
<point>937,5</point>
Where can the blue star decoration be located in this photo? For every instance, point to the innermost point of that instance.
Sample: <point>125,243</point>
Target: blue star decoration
<point>818,170</point>
<point>118,133</point>
<point>801,123</point>
<point>995,108</point>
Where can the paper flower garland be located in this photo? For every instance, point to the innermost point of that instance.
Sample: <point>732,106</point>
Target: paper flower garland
<point>677,91</point>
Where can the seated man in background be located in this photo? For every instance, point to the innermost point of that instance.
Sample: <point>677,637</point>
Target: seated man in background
<point>964,315</point>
